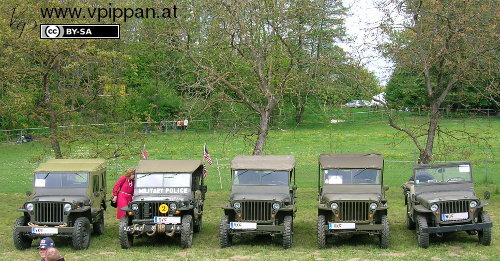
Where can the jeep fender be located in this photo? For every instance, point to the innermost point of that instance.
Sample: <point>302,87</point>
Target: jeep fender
<point>421,209</point>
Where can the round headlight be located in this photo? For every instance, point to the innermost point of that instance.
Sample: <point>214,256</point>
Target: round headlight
<point>134,207</point>
<point>237,205</point>
<point>434,207</point>
<point>29,206</point>
<point>473,204</point>
<point>334,206</point>
<point>373,206</point>
<point>276,205</point>
<point>173,206</point>
<point>67,207</point>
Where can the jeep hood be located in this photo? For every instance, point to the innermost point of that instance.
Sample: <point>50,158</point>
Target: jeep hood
<point>72,199</point>
<point>350,196</point>
<point>432,197</point>
<point>163,197</point>
<point>276,193</point>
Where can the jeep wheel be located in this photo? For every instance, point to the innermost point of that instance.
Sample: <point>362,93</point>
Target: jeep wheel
<point>321,231</point>
<point>81,234</point>
<point>21,241</point>
<point>126,240</point>
<point>98,226</point>
<point>197,227</point>
<point>288,233</point>
<point>384,236</point>
<point>423,238</point>
<point>187,231</point>
<point>226,239</point>
<point>485,234</point>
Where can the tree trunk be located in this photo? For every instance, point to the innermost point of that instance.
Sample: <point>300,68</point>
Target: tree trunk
<point>265,115</point>
<point>299,112</point>
<point>426,154</point>
<point>54,140</point>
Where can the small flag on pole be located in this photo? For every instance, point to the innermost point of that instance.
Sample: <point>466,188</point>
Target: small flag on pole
<point>206,155</point>
<point>144,152</point>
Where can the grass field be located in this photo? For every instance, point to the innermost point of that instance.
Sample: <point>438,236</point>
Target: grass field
<point>305,142</point>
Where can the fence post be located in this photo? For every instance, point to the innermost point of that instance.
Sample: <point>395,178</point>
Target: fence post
<point>486,166</point>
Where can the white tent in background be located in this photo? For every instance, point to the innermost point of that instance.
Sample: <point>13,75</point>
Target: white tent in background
<point>378,100</point>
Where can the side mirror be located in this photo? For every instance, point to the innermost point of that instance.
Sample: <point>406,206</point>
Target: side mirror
<point>486,195</point>
<point>28,193</point>
<point>386,188</point>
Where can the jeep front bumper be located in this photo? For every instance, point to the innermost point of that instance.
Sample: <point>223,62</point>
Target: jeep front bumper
<point>455,228</point>
<point>152,229</point>
<point>261,229</point>
<point>38,231</point>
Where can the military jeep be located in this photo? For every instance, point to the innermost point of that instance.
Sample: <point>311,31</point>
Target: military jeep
<point>261,200</point>
<point>68,196</point>
<point>440,199</point>
<point>352,197</point>
<point>168,198</point>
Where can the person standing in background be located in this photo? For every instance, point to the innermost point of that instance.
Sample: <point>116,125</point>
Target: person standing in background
<point>123,191</point>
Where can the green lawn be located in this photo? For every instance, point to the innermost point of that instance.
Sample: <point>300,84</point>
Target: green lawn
<point>305,142</point>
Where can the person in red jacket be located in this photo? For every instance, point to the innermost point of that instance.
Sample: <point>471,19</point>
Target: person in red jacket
<point>123,191</point>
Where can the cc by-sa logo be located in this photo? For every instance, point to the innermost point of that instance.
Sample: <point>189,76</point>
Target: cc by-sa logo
<point>52,31</point>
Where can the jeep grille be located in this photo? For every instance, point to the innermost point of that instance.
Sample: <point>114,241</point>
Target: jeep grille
<point>150,209</point>
<point>256,210</point>
<point>48,212</point>
<point>458,206</point>
<point>354,211</point>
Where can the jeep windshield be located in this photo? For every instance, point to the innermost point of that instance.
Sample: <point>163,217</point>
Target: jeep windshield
<point>163,180</point>
<point>61,180</point>
<point>260,177</point>
<point>443,174</point>
<point>351,176</point>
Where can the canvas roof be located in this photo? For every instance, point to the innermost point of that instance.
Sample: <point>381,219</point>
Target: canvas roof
<point>268,162</point>
<point>351,161</point>
<point>71,165</point>
<point>168,166</point>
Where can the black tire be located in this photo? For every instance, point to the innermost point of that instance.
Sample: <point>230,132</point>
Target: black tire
<point>81,234</point>
<point>197,227</point>
<point>187,231</point>
<point>485,234</point>
<point>288,233</point>
<point>126,240</point>
<point>21,241</point>
<point>226,239</point>
<point>385,235</point>
<point>321,231</point>
<point>423,238</point>
<point>98,226</point>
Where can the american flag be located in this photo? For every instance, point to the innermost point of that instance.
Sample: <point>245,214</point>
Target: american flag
<point>144,153</point>
<point>206,155</point>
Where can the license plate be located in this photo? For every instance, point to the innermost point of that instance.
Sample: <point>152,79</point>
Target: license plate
<point>243,225</point>
<point>454,216</point>
<point>341,225</point>
<point>167,220</point>
<point>44,230</point>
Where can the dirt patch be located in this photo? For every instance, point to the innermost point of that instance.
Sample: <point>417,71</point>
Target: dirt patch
<point>454,255</point>
<point>456,248</point>
<point>245,257</point>
<point>182,254</point>
<point>394,254</point>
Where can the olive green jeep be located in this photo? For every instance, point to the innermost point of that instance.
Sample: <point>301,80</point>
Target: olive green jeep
<point>168,199</point>
<point>68,196</point>
<point>440,199</point>
<point>262,201</point>
<point>352,197</point>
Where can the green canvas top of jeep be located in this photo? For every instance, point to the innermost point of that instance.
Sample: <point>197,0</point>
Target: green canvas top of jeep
<point>72,165</point>
<point>168,166</point>
<point>267,162</point>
